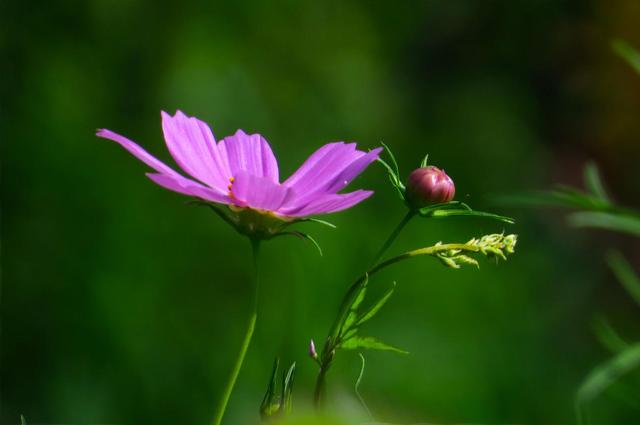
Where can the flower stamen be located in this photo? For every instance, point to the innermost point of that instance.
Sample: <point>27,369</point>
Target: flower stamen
<point>229,186</point>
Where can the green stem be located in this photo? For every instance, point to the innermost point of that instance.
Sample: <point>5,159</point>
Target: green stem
<point>255,248</point>
<point>327,357</point>
<point>392,237</point>
<point>333,340</point>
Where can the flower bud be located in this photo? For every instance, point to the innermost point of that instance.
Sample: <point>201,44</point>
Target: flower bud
<point>429,185</point>
<point>312,350</point>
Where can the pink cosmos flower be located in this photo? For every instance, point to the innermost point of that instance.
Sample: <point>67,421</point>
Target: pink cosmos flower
<point>242,172</point>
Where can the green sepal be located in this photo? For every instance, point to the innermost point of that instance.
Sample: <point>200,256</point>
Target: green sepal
<point>424,161</point>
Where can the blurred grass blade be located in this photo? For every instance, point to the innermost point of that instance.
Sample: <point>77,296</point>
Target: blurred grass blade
<point>605,220</point>
<point>606,374</point>
<point>562,196</point>
<point>625,274</point>
<point>608,336</point>
<point>593,181</point>
<point>628,53</point>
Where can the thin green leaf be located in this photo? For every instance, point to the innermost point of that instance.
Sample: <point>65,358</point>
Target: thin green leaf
<point>376,307</point>
<point>610,221</point>
<point>625,274</point>
<point>349,334</point>
<point>302,235</point>
<point>607,373</point>
<point>443,213</point>
<point>628,53</point>
<point>23,421</point>
<point>593,181</point>
<point>452,205</point>
<point>390,171</point>
<point>358,342</point>
<point>393,158</point>
<point>393,178</point>
<point>353,308</point>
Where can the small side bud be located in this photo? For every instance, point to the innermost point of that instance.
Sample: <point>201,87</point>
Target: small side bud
<point>427,186</point>
<point>312,350</point>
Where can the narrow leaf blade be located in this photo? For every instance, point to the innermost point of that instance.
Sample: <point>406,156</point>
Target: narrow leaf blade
<point>353,308</point>
<point>367,342</point>
<point>622,223</point>
<point>376,307</point>
<point>443,213</point>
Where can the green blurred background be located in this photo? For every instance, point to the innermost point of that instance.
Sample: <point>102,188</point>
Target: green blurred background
<point>121,304</point>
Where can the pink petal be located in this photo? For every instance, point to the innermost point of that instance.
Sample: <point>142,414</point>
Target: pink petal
<point>328,203</point>
<point>329,172</point>
<point>250,153</point>
<point>137,151</point>
<point>259,192</point>
<point>188,187</point>
<point>322,167</point>
<point>353,171</point>
<point>193,147</point>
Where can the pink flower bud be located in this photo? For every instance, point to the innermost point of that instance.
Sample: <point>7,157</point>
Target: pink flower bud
<point>429,185</point>
<point>312,350</point>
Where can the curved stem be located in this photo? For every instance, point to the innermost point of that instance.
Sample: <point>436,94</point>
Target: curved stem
<point>325,364</point>
<point>331,344</point>
<point>318,393</point>
<point>255,248</point>
<point>392,237</point>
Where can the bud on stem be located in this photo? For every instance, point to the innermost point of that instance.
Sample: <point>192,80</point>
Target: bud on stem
<point>429,185</point>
